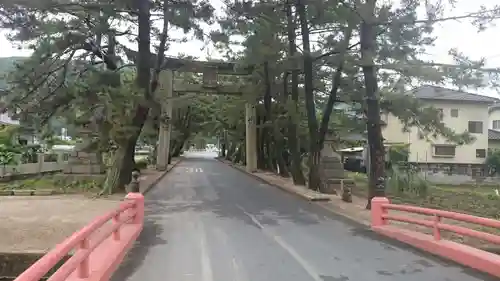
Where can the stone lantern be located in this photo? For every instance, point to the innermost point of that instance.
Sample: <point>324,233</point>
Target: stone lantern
<point>332,171</point>
<point>84,159</point>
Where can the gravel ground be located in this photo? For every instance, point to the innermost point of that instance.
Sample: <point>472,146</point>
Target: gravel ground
<point>33,224</point>
<point>36,224</point>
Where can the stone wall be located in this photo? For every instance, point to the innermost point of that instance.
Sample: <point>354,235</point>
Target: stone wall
<point>45,163</point>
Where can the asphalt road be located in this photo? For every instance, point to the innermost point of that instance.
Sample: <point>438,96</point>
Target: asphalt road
<point>206,221</point>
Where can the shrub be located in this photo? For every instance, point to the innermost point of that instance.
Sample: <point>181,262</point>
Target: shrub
<point>141,164</point>
<point>406,180</point>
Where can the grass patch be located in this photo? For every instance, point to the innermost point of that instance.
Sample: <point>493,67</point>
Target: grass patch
<point>55,182</point>
<point>485,190</point>
<point>470,199</point>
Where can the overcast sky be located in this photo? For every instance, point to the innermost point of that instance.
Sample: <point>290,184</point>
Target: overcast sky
<point>451,34</point>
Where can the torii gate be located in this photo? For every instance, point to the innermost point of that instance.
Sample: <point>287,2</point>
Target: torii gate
<point>167,87</point>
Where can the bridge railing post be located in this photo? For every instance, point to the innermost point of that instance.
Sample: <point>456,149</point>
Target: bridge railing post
<point>83,267</point>
<point>138,198</point>
<point>116,233</point>
<point>378,211</point>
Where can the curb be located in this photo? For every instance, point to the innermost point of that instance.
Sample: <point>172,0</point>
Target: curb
<point>147,189</point>
<point>29,192</point>
<point>307,197</point>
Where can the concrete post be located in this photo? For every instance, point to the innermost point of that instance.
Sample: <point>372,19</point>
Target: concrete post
<point>41,160</point>
<point>251,137</point>
<point>60,157</point>
<point>165,94</point>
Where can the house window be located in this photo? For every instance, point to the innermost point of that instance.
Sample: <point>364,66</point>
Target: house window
<point>480,153</point>
<point>454,112</point>
<point>496,124</point>
<point>475,127</point>
<point>444,150</point>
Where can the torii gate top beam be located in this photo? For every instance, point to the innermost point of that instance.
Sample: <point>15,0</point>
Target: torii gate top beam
<point>197,66</point>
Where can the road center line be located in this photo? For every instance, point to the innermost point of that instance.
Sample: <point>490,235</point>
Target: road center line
<point>301,261</point>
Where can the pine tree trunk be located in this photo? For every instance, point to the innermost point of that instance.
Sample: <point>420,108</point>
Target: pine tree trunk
<point>293,143</point>
<point>261,154</point>
<point>376,181</point>
<point>266,139</point>
<point>119,172</point>
<point>223,148</point>
<point>312,122</point>
<point>230,151</point>
<point>314,162</point>
<point>179,144</point>
<point>279,149</point>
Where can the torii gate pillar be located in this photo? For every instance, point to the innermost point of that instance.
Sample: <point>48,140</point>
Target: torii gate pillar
<point>251,137</point>
<point>164,93</point>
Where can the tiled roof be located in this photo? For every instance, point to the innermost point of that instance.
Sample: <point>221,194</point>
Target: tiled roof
<point>440,93</point>
<point>493,134</point>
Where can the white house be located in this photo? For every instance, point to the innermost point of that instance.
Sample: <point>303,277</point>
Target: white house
<point>461,111</point>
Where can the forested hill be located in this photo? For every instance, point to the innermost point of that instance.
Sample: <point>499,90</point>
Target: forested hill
<point>6,65</point>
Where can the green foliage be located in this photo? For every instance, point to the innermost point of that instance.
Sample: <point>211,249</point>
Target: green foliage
<point>462,200</point>
<point>493,162</point>
<point>7,64</point>
<point>398,154</point>
<point>403,177</point>
<point>403,180</point>
<point>29,154</point>
<point>141,164</point>
<point>7,156</point>
<point>60,184</point>
<point>7,133</point>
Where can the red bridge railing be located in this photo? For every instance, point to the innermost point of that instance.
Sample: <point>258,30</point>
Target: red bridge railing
<point>463,254</point>
<point>98,248</point>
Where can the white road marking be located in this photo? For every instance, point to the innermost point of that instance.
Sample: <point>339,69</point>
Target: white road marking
<point>302,262</point>
<point>194,170</point>
<point>206,265</point>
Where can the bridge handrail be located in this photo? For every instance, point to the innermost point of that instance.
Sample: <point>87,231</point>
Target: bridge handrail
<point>380,216</point>
<point>85,241</point>
<point>464,254</point>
